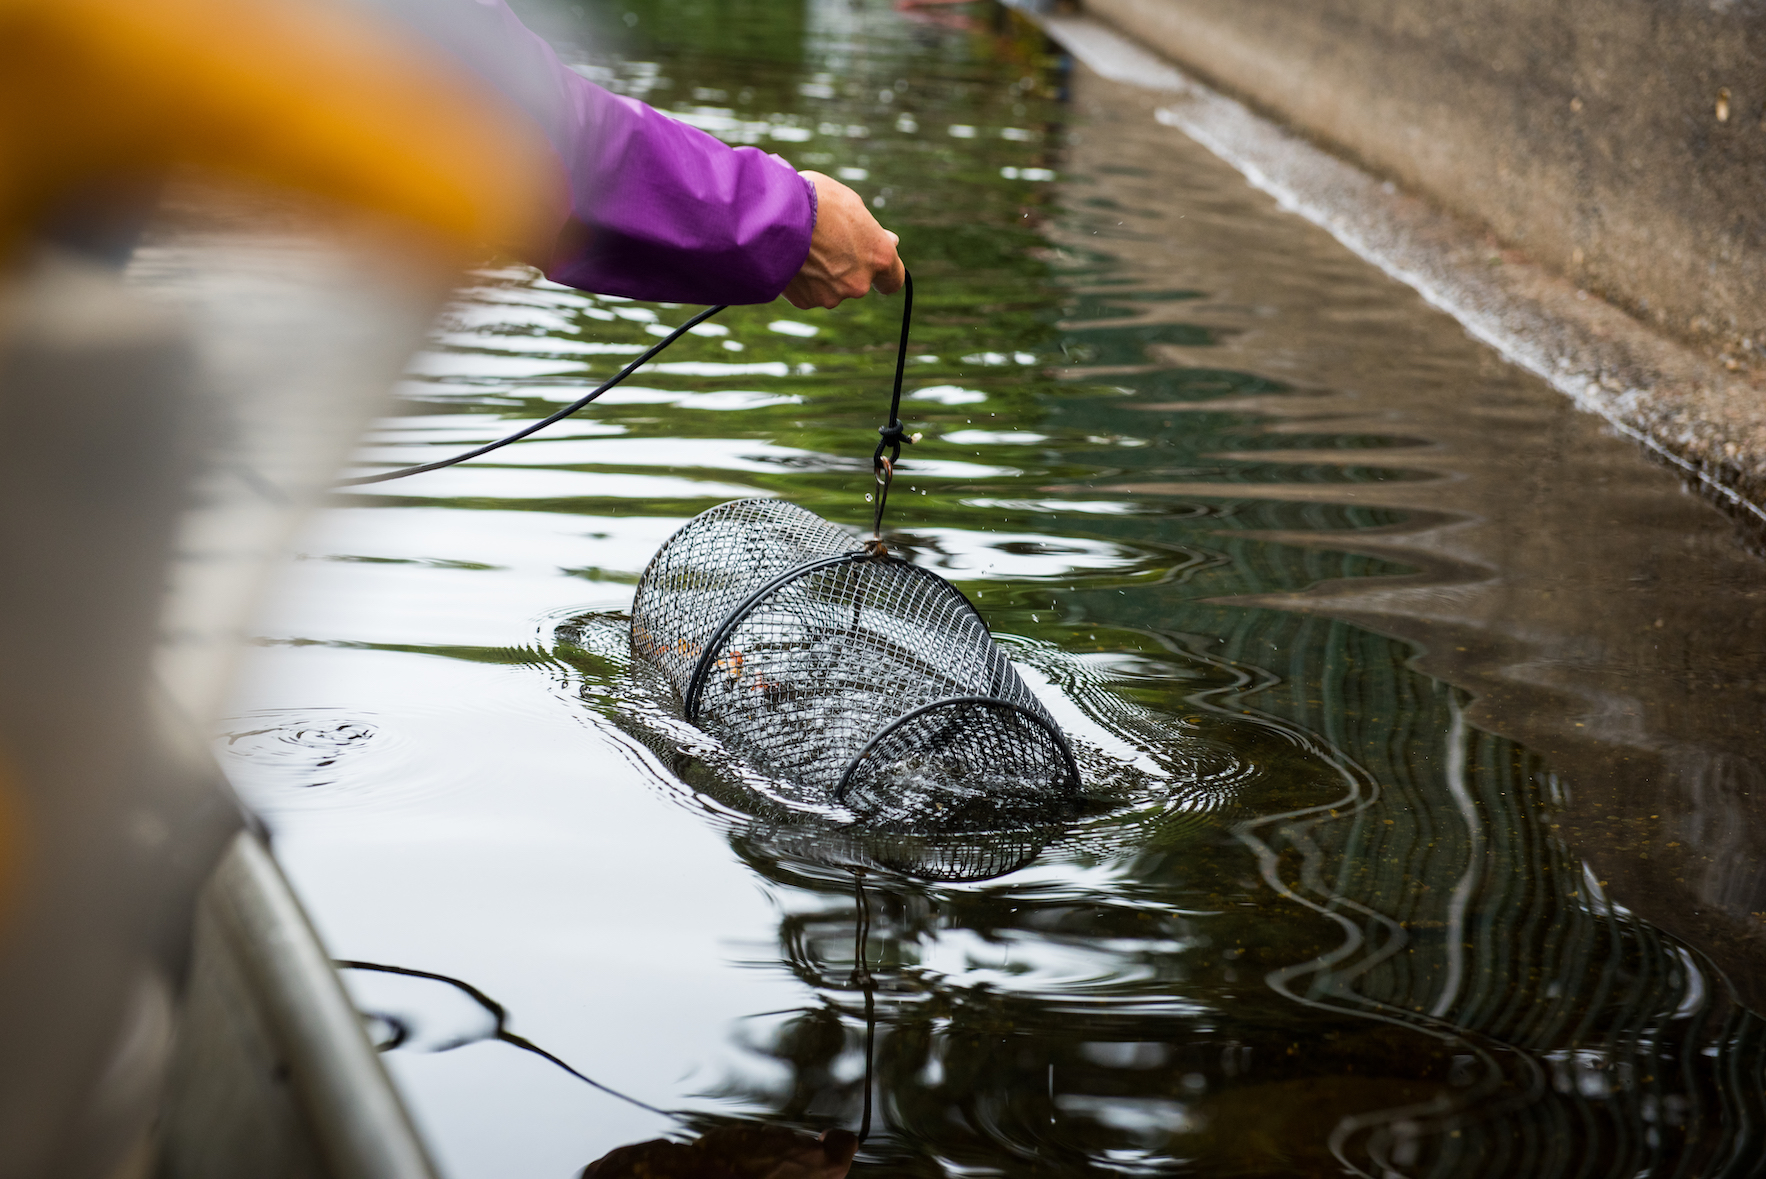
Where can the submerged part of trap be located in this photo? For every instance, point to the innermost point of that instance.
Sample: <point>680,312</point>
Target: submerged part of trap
<point>863,675</point>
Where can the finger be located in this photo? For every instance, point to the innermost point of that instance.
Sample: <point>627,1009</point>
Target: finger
<point>839,1146</point>
<point>889,281</point>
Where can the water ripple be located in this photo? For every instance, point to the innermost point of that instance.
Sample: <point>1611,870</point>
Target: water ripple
<point>1145,774</point>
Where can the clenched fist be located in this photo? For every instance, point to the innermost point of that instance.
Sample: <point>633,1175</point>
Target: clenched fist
<point>849,253</point>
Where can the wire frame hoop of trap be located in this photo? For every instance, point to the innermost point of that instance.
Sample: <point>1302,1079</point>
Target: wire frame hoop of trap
<point>865,676</point>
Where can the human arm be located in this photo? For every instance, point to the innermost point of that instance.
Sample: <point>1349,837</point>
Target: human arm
<point>654,208</point>
<point>740,1151</point>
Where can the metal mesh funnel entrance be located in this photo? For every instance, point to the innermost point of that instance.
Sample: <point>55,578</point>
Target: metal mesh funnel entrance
<point>867,677</point>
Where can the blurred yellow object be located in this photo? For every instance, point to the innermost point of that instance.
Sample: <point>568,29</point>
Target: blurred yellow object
<point>145,432</point>
<point>101,96</point>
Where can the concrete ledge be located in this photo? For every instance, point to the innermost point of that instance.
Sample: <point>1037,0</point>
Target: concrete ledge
<point>1619,142</point>
<point>1672,397</point>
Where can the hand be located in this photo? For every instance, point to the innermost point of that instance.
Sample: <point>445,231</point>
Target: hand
<point>747,1151</point>
<point>849,253</point>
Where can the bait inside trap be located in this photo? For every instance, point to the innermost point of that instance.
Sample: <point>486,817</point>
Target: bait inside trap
<point>841,668</point>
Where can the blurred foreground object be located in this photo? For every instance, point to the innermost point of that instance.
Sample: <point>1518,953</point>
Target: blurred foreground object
<point>165,432</point>
<point>99,97</point>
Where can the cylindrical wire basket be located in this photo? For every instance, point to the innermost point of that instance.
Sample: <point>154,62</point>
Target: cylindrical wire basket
<point>865,676</point>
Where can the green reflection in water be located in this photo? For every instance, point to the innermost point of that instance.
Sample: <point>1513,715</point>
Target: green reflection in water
<point>1378,956</point>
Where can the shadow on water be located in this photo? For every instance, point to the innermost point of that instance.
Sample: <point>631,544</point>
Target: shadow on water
<point>1418,717</point>
<point>730,1150</point>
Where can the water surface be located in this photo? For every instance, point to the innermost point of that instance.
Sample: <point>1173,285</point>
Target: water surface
<point>1420,714</point>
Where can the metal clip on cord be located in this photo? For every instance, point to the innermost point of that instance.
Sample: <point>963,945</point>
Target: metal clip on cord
<point>894,434</point>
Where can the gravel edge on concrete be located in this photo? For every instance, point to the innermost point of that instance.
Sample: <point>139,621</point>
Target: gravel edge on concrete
<point>1684,407</point>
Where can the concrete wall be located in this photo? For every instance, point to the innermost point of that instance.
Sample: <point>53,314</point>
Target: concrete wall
<point>1619,142</point>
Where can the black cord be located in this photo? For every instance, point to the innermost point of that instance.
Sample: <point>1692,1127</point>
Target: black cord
<point>621,375</point>
<point>894,434</point>
<point>861,977</point>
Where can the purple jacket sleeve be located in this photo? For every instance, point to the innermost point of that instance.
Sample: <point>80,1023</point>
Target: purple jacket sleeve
<point>675,214</point>
<point>671,213</point>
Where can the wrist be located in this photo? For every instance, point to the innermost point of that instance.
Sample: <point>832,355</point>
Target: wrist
<point>815,195</point>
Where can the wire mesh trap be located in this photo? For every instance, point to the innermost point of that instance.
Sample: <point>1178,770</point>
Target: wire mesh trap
<point>1148,782</point>
<point>860,675</point>
<point>960,857</point>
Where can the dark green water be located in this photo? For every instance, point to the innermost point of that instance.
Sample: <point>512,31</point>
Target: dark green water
<point>1335,924</point>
